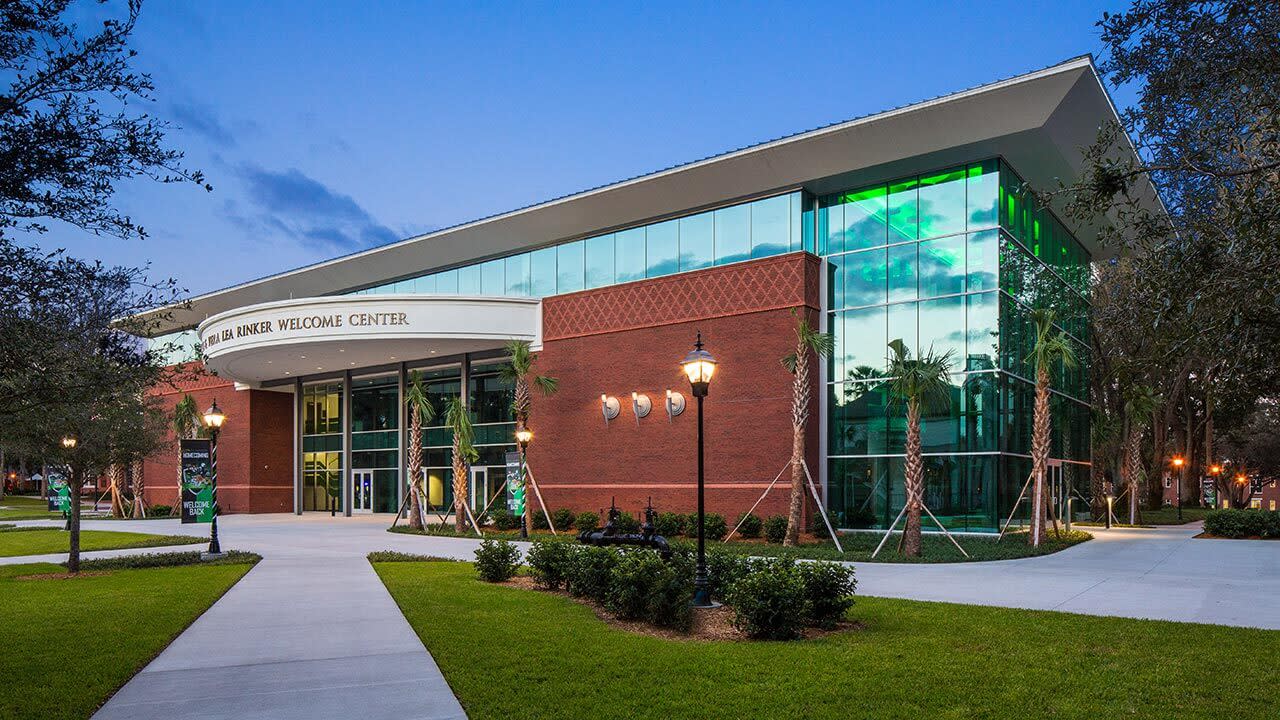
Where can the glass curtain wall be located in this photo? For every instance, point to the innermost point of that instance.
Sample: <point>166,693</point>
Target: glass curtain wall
<point>442,386</point>
<point>322,447</point>
<point>375,436</point>
<point>769,226</point>
<point>490,402</point>
<point>924,259</point>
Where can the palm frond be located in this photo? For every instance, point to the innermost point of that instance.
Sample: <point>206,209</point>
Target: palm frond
<point>458,418</point>
<point>548,385</point>
<point>926,380</point>
<point>415,395</point>
<point>1051,345</point>
<point>520,359</point>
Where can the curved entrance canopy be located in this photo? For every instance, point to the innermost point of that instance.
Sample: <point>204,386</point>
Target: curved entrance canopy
<point>292,338</point>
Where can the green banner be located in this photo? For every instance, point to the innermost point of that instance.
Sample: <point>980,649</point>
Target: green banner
<point>59,492</point>
<point>198,490</point>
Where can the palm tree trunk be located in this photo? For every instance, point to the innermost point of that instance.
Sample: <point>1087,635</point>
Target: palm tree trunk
<point>139,491</point>
<point>414,469</point>
<point>459,488</point>
<point>914,480</point>
<point>799,416</point>
<point>115,474</point>
<point>1133,444</point>
<point>1039,456</point>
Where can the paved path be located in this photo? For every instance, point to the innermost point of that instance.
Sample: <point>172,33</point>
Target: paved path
<point>312,633</point>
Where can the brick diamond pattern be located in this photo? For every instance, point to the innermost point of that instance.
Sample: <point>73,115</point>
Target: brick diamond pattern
<point>783,281</point>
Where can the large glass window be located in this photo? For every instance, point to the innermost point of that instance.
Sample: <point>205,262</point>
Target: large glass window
<point>662,249</point>
<point>942,203</point>
<point>517,275</point>
<point>733,234</point>
<point>570,267</point>
<point>542,272</point>
<point>903,205</point>
<point>629,260</point>
<point>493,277</point>
<point>697,242</point>
<point>942,266</point>
<point>599,254</point>
<point>770,226</point>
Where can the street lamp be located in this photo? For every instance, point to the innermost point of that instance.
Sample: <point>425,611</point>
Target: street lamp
<point>1178,462</point>
<point>1215,470</point>
<point>213,419</point>
<point>699,366</point>
<point>523,436</point>
<point>69,443</point>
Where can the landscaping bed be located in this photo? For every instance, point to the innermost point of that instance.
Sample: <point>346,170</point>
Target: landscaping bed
<point>1242,525</point>
<point>510,652</point>
<point>18,541</point>
<point>69,642</point>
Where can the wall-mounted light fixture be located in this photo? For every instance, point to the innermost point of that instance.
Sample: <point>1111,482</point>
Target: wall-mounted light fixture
<point>640,405</point>
<point>610,407</point>
<point>675,404</point>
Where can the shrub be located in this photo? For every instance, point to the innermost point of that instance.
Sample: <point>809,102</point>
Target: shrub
<point>587,521</point>
<point>591,572</point>
<point>563,518</point>
<point>1230,523</point>
<point>690,527</point>
<point>539,520</point>
<point>631,582</point>
<point>503,519</point>
<point>828,590</point>
<point>723,569</point>
<point>668,524</point>
<point>819,528</point>
<point>626,523</point>
<point>714,527</point>
<point>497,560</point>
<point>396,556</point>
<point>769,602</point>
<point>749,525</point>
<point>775,528</point>
<point>159,560</point>
<point>159,511</point>
<point>551,562</point>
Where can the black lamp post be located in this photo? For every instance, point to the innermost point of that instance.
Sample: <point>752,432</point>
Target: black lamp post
<point>68,443</point>
<point>213,419</point>
<point>1179,463</point>
<point>523,436</point>
<point>700,366</point>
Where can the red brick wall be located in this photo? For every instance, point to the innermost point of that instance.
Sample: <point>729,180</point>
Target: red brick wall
<point>255,448</point>
<point>631,337</point>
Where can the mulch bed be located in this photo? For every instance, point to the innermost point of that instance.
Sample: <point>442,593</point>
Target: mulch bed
<point>63,575</point>
<point>1207,536</point>
<point>712,625</point>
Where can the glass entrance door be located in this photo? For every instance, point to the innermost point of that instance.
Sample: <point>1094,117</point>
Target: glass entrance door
<point>361,491</point>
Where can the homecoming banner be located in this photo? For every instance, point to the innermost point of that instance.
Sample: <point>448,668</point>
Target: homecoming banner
<point>197,482</point>
<point>59,493</point>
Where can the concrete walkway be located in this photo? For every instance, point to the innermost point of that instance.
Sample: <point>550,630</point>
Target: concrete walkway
<point>312,633</point>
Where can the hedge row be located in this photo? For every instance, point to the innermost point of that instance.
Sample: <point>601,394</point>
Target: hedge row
<point>770,598</point>
<point>1243,523</point>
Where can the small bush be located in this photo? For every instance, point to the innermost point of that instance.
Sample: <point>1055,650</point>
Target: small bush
<point>551,563</point>
<point>592,572</point>
<point>1230,523</point>
<point>159,560</point>
<point>668,524</point>
<point>769,602</point>
<point>819,528</point>
<point>690,526</point>
<point>828,590</point>
<point>160,511</point>
<point>395,556</point>
<point>540,520</point>
<point>715,527</point>
<point>563,518</point>
<point>497,560</point>
<point>626,523</point>
<point>586,520</point>
<point>503,519</point>
<point>630,583</point>
<point>750,526</point>
<point>723,569</point>
<point>775,528</point>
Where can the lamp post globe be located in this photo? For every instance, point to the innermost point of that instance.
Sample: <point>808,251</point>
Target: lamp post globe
<point>69,442</point>
<point>699,366</point>
<point>1179,463</point>
<point>213,420</point>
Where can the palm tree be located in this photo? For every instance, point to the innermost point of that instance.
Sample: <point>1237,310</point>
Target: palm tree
<point>920,383</point>
<point>115,474</point>
<point>139,489</point>
<point>809,343</point>
<point>516,373</point>
<point>1140,403</point>
<point>420,411</point>
<point>1050,350</point>
<point>458,418</point>
<point>188,424</point>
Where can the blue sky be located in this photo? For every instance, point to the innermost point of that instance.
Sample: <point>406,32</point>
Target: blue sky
<point>330,127</point>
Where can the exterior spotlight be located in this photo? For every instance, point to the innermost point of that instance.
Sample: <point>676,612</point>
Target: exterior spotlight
<point>675,404</point>
<point>1178,461</point>
<point>699,366</point>
<point>610,407</point>
<point>523,436</point>
<point>1110,501</point>
<point>69,442</point>
<point>640,405</point>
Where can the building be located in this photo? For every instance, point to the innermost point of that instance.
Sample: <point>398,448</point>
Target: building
<point>910,224</point>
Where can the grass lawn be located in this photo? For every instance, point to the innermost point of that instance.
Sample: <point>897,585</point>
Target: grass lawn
<point>68,644</point>
<point>1169,515</point>
<point>857,546</point>
<point>509,653</point>
<point>26,507</point>
<point>40,541</point>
